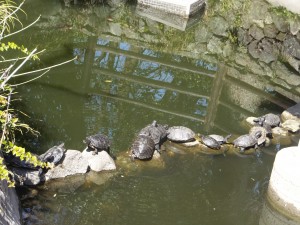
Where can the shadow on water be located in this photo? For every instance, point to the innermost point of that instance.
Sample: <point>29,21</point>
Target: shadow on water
<point>117,87</point>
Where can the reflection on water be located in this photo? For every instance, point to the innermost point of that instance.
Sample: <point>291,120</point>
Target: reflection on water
<point>117,87</point>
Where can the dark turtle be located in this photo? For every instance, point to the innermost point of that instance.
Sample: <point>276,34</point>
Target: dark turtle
<point>180,134</point>
<point>247,141</point>
<point>54,154</point>
<point>269,119</point>
<point>157,132</point>
<point>262,138</point>
<point>143,147</point>
<point>97,142</point>
<point>210,142</point>
<point>220,139</point>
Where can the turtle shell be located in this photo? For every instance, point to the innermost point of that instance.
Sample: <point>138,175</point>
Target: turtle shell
<point>180,134</point>
<point>220,138</point>
<point>210,142</point>
<point>247,141</point>
<point>54,154</point>
<point>157,132</point>
<point>269,119</point>
<point>98,141</point>
<point>143,147</point>
<point>263,131</point>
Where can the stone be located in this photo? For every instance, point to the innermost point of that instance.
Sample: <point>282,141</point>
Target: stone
<point>280,22</point>
<point>256,32</point>
<point>295,26</point>
<point>115,29</point>
<point>291,125</point>
<point>202,35</point>
<point>281,36</point>
<point>292,113</point>
<point>270,31</point>
<point>283,73</point>
<point>215,46</point>
<point>9,205</point>
<point>73,163</point>
<point>250,120</point>
<point>219,26</point>
<point>292,46</point>
<point>244,37</point>
<point>100,161</point>
<point>23,176</point>
<point>278,131</point>
<point>99,178</point>
<point>253,50</point>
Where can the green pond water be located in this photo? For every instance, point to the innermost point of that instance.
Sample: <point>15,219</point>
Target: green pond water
<point>117,87</point>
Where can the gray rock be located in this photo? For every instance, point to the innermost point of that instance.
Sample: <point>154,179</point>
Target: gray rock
<point>202,34</point>
<point>291,125</point>
<point>73,163</point>
<point>295,26</point>
<point>270,31</point>
<point>215,46</point>
<point>253,50</point>
<point>23,176</point>
<point>268,51</point>
<point>256,32</point>
<point>292,113</point>
<point>281,36</point>
<point>218,26</point>
<point>283,73</point>
<point>280,22</point>
<point>278,131</point>
<point>244,37</point>
<point>292,46</point>
<point>250,120</point>
<point>115,29</point>
<point>9,205</point>
<point>100,161</point>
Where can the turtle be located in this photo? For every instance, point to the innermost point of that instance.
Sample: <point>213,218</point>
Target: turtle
<point>262,138</point>
<point>247,141</point>
<point>97,142</point>
<point>269,119</point>
<point>180,134</point>
<point>157,132</point>
<point>210,142</point>
<point>220,139</point>
<point>143,147</point>
<point>15,161</point>
<point>54,154</point>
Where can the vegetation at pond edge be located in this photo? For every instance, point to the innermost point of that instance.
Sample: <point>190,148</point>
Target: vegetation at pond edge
<point>11,126</point>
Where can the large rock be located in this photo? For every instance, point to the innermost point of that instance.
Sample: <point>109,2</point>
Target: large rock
<point>23,176</point>
<point>100,161</point>
<point>292,113</point>
<point>291,125</point>
<point>9,205</point>
<point>73,163</point>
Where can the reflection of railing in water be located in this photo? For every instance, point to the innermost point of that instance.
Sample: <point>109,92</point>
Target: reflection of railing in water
<point>220,78</point>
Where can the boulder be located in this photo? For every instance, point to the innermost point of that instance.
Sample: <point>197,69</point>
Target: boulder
<point>291,125</point>
<point>9,205</point>
<point>73,163</point>
<point>292,113</point>
<point>23,176</point>
<point>100,161</point>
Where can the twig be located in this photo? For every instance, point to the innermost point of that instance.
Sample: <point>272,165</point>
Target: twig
<point>14,85</point>
<point>9,60</point>
<point>50,67</point>
<point>5,73</point>
<point>11,75</point>
<point>6,119</point>
<point>24,28</point>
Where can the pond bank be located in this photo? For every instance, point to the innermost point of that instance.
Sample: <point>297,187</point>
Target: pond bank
<point>292,5</point>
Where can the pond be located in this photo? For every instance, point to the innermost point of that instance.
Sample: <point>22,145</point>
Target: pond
<point>118,85</point>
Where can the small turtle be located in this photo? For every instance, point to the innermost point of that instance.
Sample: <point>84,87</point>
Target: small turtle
<point>262,138</point>
<point>180,134</point>
<point>54,154</point>
<point>97,142</point>
<point>143,147</point>
<point>220,139</point>
<point>269,119</point>
<point>247,141</point>
<point>210,142</point>
<point>157,132</point>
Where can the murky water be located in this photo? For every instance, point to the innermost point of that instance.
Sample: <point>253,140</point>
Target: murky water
<point>117,86</point>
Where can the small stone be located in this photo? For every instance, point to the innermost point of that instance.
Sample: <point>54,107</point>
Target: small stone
<point>250,120</point>
<point>100,161</point>
<point>291,125</point>
<point>256,32</point>
<point>278,131</point>
<point>270,31</point>
<point>24,176</point>
<point>292,113</point>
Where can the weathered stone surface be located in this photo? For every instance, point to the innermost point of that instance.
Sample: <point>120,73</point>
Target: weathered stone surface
<point>115,29</point>
<point>215,45</point>
<point>250,120</point>
<point>286,75</point>
<point>280,22</point>
<point>291,125</point>
<point>278,131</point>
<point>99,178</point>
<point>295,26</point>
<point>292,113</point>
<point>218,26</point>
<point>67,185</point>
<point>202,34</point>
<point>73,163</point>
<point>9,205</point>
<point>100,161</point>
<point>270,31</point>
<point>256,32</point>
<point>244,37</point>
<point>24,176</point>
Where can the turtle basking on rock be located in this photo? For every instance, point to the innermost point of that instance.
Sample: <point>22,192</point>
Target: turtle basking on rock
<point>97,142</point>
<point>210,142</point>
<point>247,141</point>
<point>157,132</point>
<point>220,139</point>
<point>181,134</point>
<point>268,119</point>
<point>143,147</point>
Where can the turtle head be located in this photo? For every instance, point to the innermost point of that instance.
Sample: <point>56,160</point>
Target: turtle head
<point>154,123</point>
<point>258,134</point>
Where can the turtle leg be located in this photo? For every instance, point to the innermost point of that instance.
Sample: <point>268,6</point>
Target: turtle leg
<point>242,149</point>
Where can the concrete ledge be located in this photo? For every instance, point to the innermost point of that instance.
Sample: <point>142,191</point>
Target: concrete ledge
<point>284,186</point>
<point>292,5</point>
